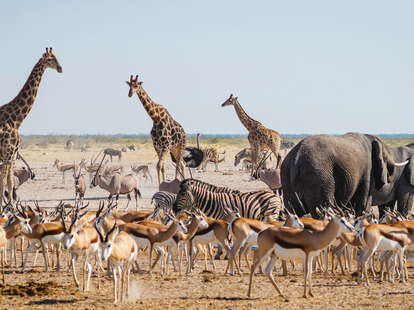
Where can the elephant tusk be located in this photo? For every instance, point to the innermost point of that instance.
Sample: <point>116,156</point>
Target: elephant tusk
<point>401,164</point>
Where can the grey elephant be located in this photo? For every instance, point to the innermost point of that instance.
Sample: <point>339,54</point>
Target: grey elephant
<point>400,187</point>
<point>350,170</point>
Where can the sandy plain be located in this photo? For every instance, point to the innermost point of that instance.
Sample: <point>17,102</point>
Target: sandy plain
<point>204,289</point>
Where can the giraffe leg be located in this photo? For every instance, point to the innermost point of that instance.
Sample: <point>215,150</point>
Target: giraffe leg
<point>255,154</point>
<point>160,166</point>
<point>10,180</point>
<point>3,178</point>
<point>275,148</point>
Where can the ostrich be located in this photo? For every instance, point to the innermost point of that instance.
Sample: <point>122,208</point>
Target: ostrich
<point>193,156</point>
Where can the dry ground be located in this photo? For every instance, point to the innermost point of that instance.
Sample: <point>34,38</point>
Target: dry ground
<point>202,290</point>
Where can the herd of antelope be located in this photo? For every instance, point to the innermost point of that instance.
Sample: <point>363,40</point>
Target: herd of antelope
<point>108,240</point>
<point>115,237</point>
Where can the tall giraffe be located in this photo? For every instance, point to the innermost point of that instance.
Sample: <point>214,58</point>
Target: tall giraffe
<point>12,115</point>
<point>260,137</point>
<point>167,134</point>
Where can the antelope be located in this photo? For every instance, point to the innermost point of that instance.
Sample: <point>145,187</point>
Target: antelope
<point>45,233</point>
<point>80,184</point>
<point>120,250</point>
<point>131,216</point>
<point>144,170</point>
<point>382,237</point>
<point>271,177</point>
<point>216,232</point>
<point>20,177</point>
<point>149,233</point>
<point>110,170</point>
<point>13,229</point>
<point>180,238</point>
<point>92,168</point>
<point>409,225</point>
<point>63,168</point>
<point>288,243</point>
<point>118,185</point>
<point>245,232</point>
<point>80,240</point>
<point>170,186</point>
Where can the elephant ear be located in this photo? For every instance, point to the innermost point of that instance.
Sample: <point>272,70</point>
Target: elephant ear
<point>410,171</point>
<point>379,165</point>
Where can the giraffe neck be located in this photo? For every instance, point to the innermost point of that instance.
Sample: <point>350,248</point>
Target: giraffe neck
<point>16,110</point>
<point>149,105</point>
<point>245,119</point>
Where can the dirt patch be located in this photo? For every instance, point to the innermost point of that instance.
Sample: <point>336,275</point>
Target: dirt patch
<point>30,289</point>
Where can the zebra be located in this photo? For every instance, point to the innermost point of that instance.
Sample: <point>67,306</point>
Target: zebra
<point>163,201</point>
<point>217,202</point>
<point>224,202</point>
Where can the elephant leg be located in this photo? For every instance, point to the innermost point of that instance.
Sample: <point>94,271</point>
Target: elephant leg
<point>405,199</point>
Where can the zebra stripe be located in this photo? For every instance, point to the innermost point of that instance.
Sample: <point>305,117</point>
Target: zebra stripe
<point>163,200</point>
<point>255,205</point>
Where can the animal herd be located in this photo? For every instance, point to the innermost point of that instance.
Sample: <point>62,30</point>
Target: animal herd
<point>336,180</point>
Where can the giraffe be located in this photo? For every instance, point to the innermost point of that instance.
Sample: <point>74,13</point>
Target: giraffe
<point>167,134</point>
<point>12,115</point>
<point>260,137</point>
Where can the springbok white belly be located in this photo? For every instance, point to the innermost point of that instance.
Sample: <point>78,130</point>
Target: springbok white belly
<point>284,253</point>
<point>387,244</point>
<point>141,242</point>
<point>204,239</point>
<point>53,238</point>
<point>251,238</point>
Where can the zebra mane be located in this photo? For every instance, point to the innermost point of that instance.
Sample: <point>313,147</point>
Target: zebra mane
<point>209,187</point>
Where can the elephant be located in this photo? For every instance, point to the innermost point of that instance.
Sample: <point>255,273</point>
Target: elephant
<point>400,188</point>
<point>350,170</point>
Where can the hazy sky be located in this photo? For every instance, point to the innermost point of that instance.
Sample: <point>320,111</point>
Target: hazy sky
<point>297,66</point>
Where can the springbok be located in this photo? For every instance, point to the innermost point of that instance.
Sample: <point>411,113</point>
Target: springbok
<point>44,233</point>
<point>144,170</point>
<point>120,250</point>
<point>245,232</point>
<point>147,233</point>
<point>80,240</point>
<point>384,238</point>
<point>290,243</point>
<point>64,167</point>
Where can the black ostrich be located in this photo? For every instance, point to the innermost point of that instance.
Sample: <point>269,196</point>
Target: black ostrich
<point>193,156</point>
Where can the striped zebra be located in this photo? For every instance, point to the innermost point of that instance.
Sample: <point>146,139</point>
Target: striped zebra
<point>216,201</point>
<point>163,201</point>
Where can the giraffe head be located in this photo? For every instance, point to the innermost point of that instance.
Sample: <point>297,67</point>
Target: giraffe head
<point>133,85</point>
<point>51,61</point>
<point>230,101</point>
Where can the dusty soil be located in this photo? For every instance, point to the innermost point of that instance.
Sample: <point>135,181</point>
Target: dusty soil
<point>36,289</point>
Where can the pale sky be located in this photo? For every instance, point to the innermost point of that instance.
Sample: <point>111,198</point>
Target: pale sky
<point>296,66</point>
